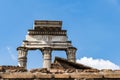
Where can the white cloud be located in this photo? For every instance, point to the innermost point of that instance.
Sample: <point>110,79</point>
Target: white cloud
<point>98,63</point>
<point>11,54</point>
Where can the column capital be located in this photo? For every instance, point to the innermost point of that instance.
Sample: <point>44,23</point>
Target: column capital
<point>22,48</point>
<point>46,50</point>
<point>71,48</point>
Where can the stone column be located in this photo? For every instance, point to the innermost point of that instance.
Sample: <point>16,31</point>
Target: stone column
<point>46,57</point>
<point>22,56</point>
<point>71,54</point>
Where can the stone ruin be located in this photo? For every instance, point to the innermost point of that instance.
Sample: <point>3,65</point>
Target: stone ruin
<point>47,36</point>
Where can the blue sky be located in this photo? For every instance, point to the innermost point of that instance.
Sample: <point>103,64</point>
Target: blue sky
<point>93,27</point>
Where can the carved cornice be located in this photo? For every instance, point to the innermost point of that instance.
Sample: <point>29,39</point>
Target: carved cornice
<point>36,32</point>
<point>46,23</point>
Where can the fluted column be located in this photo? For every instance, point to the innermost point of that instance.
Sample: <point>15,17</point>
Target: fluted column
<point>46,57</point>
<point>71,54</point>
<point>22,56</point>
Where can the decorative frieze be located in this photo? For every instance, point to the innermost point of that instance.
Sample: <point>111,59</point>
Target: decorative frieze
<point>49,38</point>
<point>33,32</point>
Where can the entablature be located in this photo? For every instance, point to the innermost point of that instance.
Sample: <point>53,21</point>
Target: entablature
<point>54,45</point>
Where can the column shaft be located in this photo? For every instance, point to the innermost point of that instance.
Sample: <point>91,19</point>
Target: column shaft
<point>22,57</point>
<point>46,57</point>
<point>71,54</point>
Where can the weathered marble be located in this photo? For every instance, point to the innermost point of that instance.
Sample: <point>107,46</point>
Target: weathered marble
<point>46,34</point>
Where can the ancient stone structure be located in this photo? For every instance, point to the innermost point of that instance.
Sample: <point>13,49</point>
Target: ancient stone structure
<point>61,69</point>
<point>46,36</point>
